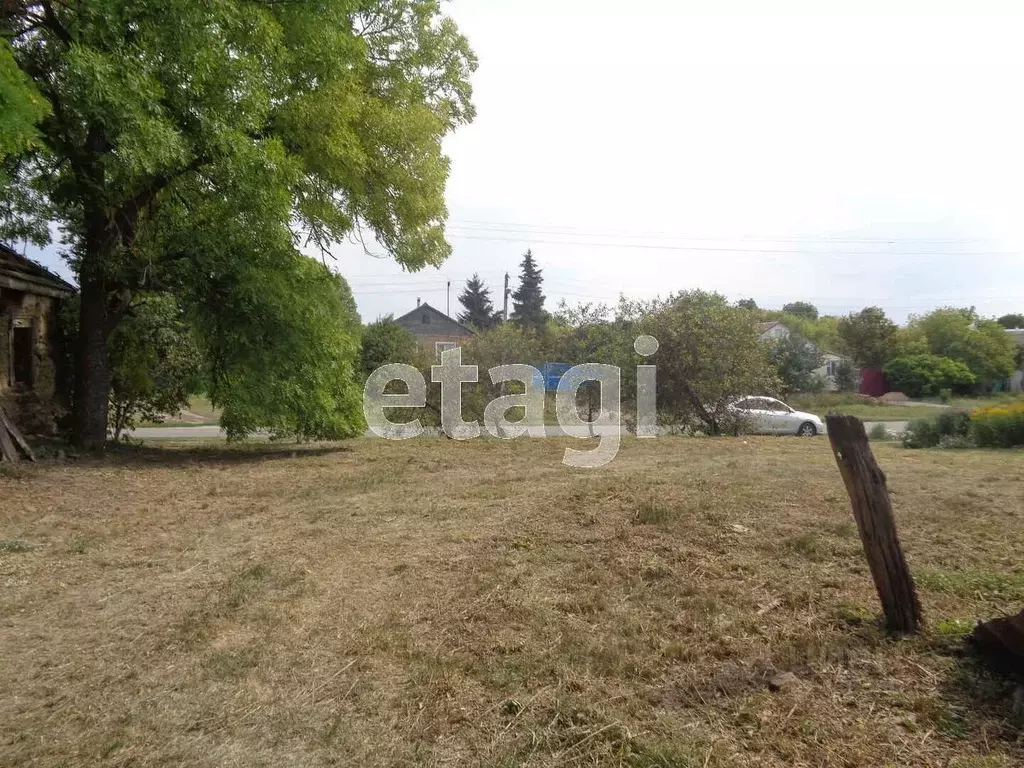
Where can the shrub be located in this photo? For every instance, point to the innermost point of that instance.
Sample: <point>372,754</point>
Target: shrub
<point>950,429</point>
<point>953,423</point>
<point>945,394</point>
<point>920,375</point>
<point>921,433</point>
<point>998,426</point>
<point>878,432</point>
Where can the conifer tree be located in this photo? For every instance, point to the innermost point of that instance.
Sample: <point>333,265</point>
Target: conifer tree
<point>527,300</point>
<point>476,298</point>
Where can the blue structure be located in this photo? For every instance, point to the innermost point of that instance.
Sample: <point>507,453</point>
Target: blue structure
<point>549,374</point>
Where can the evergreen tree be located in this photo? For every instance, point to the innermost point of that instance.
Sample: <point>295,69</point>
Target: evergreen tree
<point>476,298</point>
<point>527,300</point>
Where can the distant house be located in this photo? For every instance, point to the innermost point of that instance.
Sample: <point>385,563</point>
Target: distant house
<point>775,331</point>
<point>435,330</point>
<point>1016,383</point>
<point>29,297</point>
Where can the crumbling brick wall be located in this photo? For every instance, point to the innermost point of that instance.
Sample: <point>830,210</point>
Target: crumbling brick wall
<point>35,408</point>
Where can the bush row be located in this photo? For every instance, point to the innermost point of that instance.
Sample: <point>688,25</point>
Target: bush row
<point>1000,426</point>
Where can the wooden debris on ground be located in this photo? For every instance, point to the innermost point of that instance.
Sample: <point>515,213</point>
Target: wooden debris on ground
<point>1001,643</point>
<point>13,445</point>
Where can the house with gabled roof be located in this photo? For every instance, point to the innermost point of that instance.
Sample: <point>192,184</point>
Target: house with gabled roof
<point>434,329</point>
<point>773,331</point>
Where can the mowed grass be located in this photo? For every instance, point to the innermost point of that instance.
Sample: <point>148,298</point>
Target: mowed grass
<point>862,408</point>
<point>877,410</point>
<point>438,603</point>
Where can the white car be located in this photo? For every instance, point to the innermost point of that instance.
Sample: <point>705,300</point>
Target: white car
<point>768,416</point>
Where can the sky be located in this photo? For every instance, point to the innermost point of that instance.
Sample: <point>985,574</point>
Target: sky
<point>664,145</point>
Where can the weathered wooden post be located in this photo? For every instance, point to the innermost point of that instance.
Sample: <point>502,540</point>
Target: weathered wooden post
<point>872,509</point>
<point>11,441</point>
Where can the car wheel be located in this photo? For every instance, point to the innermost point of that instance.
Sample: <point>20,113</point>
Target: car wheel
<point>807,430</point>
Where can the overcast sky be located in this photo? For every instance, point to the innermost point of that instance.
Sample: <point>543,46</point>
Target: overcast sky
<point>663,145</point>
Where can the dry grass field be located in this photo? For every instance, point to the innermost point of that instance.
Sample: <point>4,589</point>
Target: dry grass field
<point>438,603</point>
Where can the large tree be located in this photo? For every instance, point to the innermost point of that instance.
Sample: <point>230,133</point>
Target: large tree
<point>1013,320</point>
<point>867,337</point>
<point>190,147</point>
<point>709,354</point>
<point>527,299</point>
<point>961,334</point>
<point>479,310</point>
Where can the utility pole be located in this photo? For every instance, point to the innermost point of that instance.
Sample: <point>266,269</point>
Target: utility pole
<point>506,298</point>
<point>449,298</point>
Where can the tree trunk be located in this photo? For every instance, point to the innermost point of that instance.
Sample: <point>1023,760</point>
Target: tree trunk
<point>92,361</point>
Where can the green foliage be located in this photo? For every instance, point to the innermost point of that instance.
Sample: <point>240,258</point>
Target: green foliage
<point>802,309</point>
<point>867,337</point>
<point>527,299</point>
<point>999,426</point>
<point>822,331</point>
<point>795,360</point>
<point>155,361</point>
<point>385,341</point>
<point>588,333</point>
<point>945,395</point>
<point>192,145</point>
<point>960,334</point>
<point>22,107</point>
<point>503,345</point>
<point>709,354</point>
<point>846,377</point>
<point>949,429</point>
<point>922,375</point>
<point>22,212</point>
<point>878,433</point>
<point>476,298</point>
<point>1013,320</point>
<point>285,367</point>
<point>747,304</point>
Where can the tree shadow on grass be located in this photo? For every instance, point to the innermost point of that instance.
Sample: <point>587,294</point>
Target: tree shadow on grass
<point>212,454</point>
<point>980,699</point>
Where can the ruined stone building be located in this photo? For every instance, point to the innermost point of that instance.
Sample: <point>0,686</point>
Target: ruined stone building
<point>29,354</point>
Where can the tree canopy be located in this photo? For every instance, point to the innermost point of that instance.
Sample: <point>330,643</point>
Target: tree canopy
<point>1013,320</point>
<point>709,354</point>
<point>190,148</point>
<point>802,309</point>
<point>386,341</point>
<point>960,334</point>
<point>867,336</point>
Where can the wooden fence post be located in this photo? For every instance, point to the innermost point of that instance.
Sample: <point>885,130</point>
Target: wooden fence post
<point>872,509</point>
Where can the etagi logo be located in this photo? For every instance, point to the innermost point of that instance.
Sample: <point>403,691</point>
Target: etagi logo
<point>451,374</point>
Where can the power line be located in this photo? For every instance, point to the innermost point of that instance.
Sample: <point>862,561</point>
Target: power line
<point>715,249</point>
<point>552,229</point>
